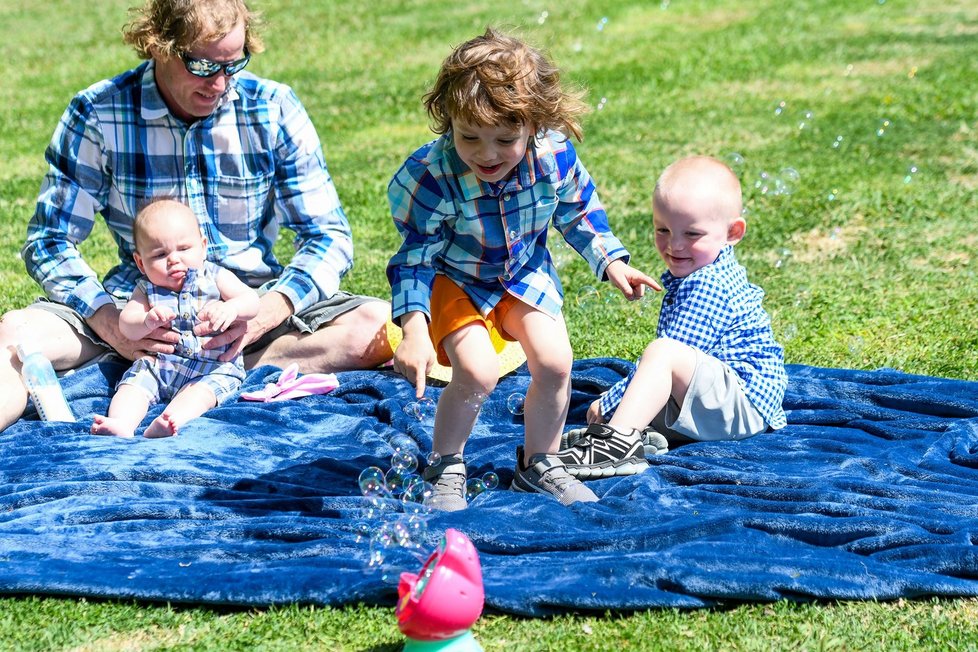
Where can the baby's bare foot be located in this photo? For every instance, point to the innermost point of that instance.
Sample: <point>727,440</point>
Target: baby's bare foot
<point>102,425</point>
<point>162,426</point>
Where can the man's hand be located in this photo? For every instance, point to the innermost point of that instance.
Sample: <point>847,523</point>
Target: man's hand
<point>629,280</point>
<point>275,308</point>
<point>105,322</point>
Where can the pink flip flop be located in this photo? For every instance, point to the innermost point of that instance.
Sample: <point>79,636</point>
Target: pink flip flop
<point>291,385</point>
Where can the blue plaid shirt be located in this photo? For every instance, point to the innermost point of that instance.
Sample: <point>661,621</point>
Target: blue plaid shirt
<point>717,311</point>
<point>252,166</point>
<point>490,238</point>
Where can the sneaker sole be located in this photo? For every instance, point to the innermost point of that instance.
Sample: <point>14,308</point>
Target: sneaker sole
<point>631,466</point>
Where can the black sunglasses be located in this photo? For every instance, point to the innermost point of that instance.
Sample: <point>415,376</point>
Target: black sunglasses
<point>208,68</point>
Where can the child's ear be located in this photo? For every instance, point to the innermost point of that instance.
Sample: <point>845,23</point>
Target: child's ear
<point>736,230</point>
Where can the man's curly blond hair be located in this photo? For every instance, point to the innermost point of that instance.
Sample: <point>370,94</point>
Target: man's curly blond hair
<point>172,27</point>
<point>495,79</point>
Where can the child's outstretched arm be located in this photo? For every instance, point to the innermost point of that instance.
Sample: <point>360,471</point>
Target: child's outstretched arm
<point>415,355</point>
<point>629,280</point>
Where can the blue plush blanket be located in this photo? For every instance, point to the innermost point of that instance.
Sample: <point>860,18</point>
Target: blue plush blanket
<point>870,492</point>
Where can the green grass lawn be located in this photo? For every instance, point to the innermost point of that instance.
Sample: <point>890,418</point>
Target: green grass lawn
<point>867,262</point>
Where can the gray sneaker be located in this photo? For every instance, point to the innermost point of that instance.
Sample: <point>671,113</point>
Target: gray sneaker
<point>603,452</point>
<point>546,475</point>
<point>654,442</point>
<point>447,479</point>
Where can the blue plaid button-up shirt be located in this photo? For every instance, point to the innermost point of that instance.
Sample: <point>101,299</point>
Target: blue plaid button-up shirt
<point>717,311</point>
<point>252,166</point>
<point>491,238</point>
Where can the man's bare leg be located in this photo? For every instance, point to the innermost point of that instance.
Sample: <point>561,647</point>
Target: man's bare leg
<point>55,339</point>
<point>355,340</point>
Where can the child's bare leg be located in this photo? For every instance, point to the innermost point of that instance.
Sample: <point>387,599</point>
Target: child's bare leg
<point>549,357</point>
<point>189,403</point>
<point>127,409</point>
<point>666,368</point>
<point>475,371</point>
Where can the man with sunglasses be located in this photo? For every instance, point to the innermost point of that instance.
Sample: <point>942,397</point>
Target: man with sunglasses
<point>192,124</point>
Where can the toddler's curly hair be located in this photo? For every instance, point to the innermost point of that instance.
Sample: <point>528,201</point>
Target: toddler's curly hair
<point>496,78</point>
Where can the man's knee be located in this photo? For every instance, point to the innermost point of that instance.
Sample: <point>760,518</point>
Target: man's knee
<point>366,327</point>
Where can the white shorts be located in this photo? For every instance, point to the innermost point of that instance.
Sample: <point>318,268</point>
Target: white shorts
<point>716,407</point>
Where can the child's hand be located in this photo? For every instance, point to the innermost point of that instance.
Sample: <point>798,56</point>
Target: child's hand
<point>158,317</point>
<point>594,413</point>
<point>629,280</point>
<point>218,315</point>
<point>413,359</point>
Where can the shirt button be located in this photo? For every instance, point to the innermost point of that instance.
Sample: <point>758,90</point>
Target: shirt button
<point>507,276</point>
<point>186,315</point>
<point>507,197</point>
<point>513,235</point>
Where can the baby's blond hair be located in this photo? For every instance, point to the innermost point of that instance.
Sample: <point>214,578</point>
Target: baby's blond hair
<point>495,79</point>
<point>708,181</point>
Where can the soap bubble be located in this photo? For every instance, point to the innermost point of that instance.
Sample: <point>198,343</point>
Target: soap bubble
<point>764,182</point>
<point>395,481</point>
<point>736,161</point>
<point>837,143</point>
<point>882,127</point>
<point>856,345</point>
<point>543,17</point>
<point>805,119</point>
<point>790,332</point>
<point>473,488</point>
<point>416,494</point>
<point>403,443</point>
<point>602,23</point>
<point>490,480</point>
<point>433,458</point>
<point>780,107</point>
<point>783,260</point>
<point>587,296</point>
<point>911,172</point>
<point>404,461</point>
<point>411,409</point>
<point>604,100</point>
<point>787,181</point>
<point>426,408</point>
<point>514,403</point>
<point>833,194</point>
<point>371,479</point>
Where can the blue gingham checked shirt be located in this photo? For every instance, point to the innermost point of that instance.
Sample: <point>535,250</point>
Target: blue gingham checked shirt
<point>717,311</point>
<point>491,238</point>
<point>252,166</point>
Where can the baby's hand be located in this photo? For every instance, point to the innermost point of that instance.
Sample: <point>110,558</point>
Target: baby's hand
<point>158,317</point>
<point>218,315</point>
<point>594,413</point>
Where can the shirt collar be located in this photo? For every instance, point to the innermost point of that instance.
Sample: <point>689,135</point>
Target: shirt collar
<point>154,106</point>
<point>724,259</point>
<point>538,162</point>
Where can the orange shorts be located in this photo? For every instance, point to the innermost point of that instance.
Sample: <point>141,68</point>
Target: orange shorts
<point>451,309</point>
